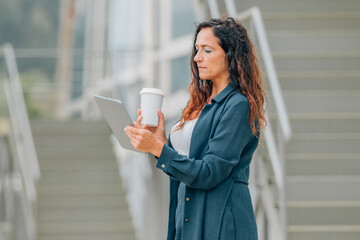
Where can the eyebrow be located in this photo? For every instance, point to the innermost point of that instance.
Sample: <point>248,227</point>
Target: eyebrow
<point>204,45</point>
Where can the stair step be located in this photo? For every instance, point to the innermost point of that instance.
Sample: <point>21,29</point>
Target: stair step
<point>313,40</point>
<point>110,160</point>
<point>311,20</point>
<point>317,204</point>
<point>80,189</point>
<point>274,6</point>
<point>322,165</point>
<point>105,152</point>
<point>341,61</point>
<point>82,165</point>
<point>323,215</point>
<point>85,176</point>
<point>318,101</point>
<point>323,188</point>
<point>321,122</point>
<point>324,143</point>
<point>303,83</point>
<point>69,128</point>
<point>78,141</point>
<point>87,236</point>
<point>317,80</point>
<point>324,232</point>
<point>77,202</point>
<point>85,227</point>
<point>84,215</point>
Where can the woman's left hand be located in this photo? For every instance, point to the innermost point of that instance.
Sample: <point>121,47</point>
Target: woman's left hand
<point>144,140</point>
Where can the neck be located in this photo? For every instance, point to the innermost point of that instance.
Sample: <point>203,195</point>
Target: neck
<point>218,87</point>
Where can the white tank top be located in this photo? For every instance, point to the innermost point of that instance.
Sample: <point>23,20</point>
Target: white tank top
<point>181,139</point>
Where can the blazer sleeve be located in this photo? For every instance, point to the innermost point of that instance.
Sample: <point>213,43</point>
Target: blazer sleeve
<point>232,134</point>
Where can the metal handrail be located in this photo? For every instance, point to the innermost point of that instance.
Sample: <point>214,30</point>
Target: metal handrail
<point>20,122</point>
<point>24,154</point>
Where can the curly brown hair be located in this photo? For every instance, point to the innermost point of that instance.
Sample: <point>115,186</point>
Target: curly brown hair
<point>244,70</point>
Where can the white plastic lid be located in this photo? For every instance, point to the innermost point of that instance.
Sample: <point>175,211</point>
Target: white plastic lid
<point>152,91</point>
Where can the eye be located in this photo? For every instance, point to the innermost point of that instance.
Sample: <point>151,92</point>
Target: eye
<point>207,50</point>
<point>196,50</point>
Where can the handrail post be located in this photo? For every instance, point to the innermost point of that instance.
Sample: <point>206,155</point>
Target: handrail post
<point>283,206</point>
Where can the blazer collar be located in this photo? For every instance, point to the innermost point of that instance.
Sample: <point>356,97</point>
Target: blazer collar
<point>223,94</point>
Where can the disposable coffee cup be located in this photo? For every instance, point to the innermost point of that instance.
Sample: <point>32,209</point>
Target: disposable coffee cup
<point>151,101</point>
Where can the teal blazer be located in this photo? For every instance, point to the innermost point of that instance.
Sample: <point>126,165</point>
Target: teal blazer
<point>218,204</point>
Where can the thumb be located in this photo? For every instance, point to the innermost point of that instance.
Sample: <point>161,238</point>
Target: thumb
<point>161,116</point>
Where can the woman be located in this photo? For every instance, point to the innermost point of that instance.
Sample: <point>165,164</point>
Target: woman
<point>210,149</point>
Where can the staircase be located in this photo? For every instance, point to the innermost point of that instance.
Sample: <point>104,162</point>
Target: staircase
<point>316,50</point>
<point>80,194</point>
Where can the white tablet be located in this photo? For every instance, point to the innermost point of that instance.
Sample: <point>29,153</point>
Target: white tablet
<point>118,118</point>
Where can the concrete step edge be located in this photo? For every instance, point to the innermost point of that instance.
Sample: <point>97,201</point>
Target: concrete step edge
<point>84,170</point>
<point>314,33</point>
<point>70,223</point>
<point>88,236</point>
<point>123,221</point>
<point>71,160</point>
<point>317,74</point>
<point>49,157</point>
<point>84,184</point>
<point>326,55</point>
<point>75,186</point>
<point>80,190</point>
<point>65,122</point>
<point>119,196</point>
<point>326,136</point>
<point>79,227</point>
<point>322,204</point>
<point>320,115</point>
<point>293,15</point>
<point>321,93</point>
<point>122,206</point>
<point>81,210</point>
<point>323,228</point>
<point>322,156</point>
<point>69,146</point>
<point>78,166</point>
<point>327,179</point>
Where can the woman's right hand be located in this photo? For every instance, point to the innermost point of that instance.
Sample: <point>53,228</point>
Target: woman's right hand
<point>158,131</point>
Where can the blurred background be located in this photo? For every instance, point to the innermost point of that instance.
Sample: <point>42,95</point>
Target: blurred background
<point>64,176</point>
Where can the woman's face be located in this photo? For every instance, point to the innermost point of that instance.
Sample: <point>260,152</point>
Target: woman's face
<point>210,57</point>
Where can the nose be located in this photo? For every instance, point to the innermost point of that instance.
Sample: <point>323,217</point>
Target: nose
<point>198,57</point>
